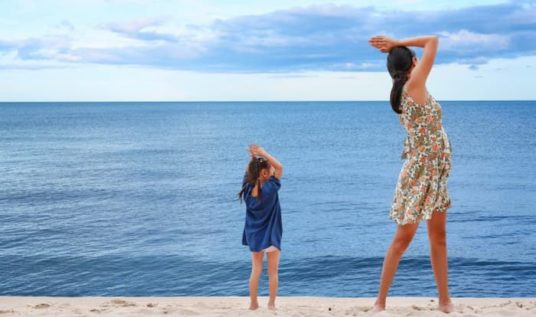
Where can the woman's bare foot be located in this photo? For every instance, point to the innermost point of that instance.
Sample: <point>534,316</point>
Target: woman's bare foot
<point>378,307</point>
<point>254,306</point>
<point>271,306</point>
<point>447,307</point>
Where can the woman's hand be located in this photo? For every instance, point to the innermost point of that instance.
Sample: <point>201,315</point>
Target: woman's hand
<point>383,43</point>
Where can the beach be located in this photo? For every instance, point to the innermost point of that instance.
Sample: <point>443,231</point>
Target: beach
<point>237,306</point>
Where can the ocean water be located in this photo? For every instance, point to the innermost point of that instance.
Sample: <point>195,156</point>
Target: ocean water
<point>140,198</point>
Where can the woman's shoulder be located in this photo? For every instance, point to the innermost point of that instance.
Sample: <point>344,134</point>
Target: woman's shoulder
<point>411,93</point>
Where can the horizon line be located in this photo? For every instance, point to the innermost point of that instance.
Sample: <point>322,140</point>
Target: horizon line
<point>235,101</point>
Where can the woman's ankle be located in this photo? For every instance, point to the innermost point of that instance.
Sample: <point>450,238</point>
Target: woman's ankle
<point>444,300</point>
<point>379,305</point>
<point>254,305</point>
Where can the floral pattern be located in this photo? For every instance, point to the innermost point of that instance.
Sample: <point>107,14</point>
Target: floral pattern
<point>422,183</point>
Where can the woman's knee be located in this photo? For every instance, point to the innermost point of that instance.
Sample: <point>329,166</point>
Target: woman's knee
<point>400,244</point>
<point>438,237</point>
<point>403,239</point>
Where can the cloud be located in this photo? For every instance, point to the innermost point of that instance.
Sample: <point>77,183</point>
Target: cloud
<point>464,40</point>
<point>141,29</point>
<point>67,25</point>
<point>37,48</point>
<point>314,38</point>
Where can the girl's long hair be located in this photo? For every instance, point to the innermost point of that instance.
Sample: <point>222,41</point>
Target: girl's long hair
<point>399,63</point>
<point>255,166</point>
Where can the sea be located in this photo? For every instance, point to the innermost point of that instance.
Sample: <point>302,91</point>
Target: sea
<point>140,199</point>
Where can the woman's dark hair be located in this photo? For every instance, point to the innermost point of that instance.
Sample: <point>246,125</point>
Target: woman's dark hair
<point>399,62</point>
<point>255,166</point>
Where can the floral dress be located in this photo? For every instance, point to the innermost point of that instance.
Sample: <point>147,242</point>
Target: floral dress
<point>422,183</point>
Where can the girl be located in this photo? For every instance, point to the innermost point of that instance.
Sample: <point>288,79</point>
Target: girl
<point>421,191</point>
<point>263,228</point>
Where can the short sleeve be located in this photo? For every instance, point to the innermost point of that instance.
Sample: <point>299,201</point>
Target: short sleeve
<point>272,185</point>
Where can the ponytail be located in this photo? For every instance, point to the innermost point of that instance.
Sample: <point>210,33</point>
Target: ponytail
<point>399,80</point>
<point>399,63</point>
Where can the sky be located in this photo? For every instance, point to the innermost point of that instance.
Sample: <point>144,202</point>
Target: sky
<point>238,50</point>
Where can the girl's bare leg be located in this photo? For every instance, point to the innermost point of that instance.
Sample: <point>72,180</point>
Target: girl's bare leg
<point>273,276</point>
<point>437,235</point>
<point>403,236</point>
<point>256,271</point>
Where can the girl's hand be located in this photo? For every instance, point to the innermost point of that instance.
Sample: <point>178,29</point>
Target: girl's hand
<point>383,43</point>
<point>256,150</point>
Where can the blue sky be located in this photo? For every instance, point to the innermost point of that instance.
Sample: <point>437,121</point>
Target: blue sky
<point>124,50</point>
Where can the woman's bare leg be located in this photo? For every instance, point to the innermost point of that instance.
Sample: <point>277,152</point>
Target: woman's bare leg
<point>437,235</point>
<point>273,276</point>
<point>256,271</point>
<point>403,236</point>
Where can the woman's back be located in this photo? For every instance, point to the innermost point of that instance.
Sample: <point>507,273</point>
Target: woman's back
<point>423,123</point>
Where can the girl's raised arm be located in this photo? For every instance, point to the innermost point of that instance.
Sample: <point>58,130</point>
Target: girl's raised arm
<point>278,167</point>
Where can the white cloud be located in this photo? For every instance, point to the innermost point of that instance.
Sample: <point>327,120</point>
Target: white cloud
<point>467,40</point>
<point>121,83</point>
<point>136,25</point>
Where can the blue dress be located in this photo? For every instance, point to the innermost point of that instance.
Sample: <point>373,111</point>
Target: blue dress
<point>263,226</point>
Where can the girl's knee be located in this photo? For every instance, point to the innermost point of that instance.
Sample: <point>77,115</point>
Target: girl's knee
<point>256,270</point>
<point>273,274</point>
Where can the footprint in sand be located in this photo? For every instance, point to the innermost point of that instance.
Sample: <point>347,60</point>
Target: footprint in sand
<point>42,305</point>
<point>179,311</point>
<point>121,302</point>
<point>118,303</point>
<point>11,311</point>
<point>353,311</point>
<point>415,307</point>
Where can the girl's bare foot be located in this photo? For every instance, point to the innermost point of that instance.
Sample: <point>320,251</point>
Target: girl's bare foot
<point>271,306</point>
<point>448,307</point>
<point>254,306</point>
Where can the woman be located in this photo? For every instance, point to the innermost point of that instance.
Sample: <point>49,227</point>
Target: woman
<point>421,191</point>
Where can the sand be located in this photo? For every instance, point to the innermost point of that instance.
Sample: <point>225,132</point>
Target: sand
<point>237,306</point>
